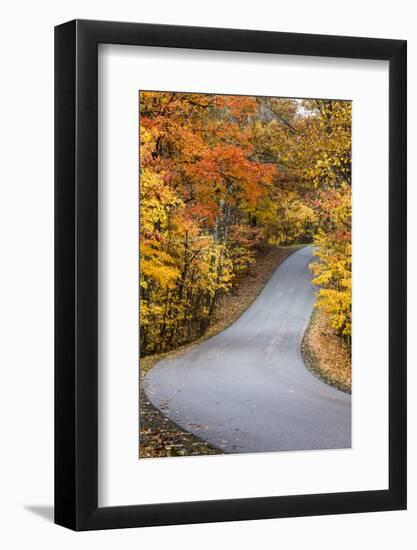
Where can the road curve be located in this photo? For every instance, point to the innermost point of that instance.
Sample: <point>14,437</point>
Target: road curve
<point>247,389</point>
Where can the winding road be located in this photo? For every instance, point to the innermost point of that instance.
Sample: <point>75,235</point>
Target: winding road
<point>247,388</point>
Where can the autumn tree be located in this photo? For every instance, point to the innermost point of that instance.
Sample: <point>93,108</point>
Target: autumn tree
<point>328,132</point>
<point>200,189</point>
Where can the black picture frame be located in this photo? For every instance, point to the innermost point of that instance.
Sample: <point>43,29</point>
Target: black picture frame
<point>76,272</point>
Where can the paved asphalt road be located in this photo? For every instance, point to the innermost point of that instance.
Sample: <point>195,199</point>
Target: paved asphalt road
<point>247,389</point>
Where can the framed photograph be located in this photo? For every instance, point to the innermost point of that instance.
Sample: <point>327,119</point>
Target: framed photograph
<point>230,284</point>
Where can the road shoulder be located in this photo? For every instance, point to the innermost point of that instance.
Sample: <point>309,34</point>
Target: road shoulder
<point>325,354</point>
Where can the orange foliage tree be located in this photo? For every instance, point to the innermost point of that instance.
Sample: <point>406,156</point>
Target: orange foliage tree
<point>200,190</point>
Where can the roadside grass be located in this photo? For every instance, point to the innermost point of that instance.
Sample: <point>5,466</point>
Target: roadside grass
<point>158,435</point>
<point>325,354</point>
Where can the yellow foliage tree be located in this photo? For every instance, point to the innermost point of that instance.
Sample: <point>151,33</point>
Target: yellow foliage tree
<point>333,271</point>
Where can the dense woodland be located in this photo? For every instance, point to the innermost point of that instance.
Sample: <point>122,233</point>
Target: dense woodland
<point>222,178</point>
